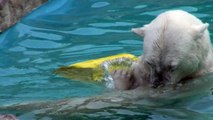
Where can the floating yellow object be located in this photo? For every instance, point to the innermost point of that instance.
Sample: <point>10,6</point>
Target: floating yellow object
<point>91,69</point>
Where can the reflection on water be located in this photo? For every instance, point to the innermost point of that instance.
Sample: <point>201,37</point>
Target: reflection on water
<point>68,31</point>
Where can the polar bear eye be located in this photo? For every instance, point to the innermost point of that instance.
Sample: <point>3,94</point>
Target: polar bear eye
<point>171,68</point>
<point>149,63</point>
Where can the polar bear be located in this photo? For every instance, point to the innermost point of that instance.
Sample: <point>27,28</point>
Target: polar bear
<point>176,47</point>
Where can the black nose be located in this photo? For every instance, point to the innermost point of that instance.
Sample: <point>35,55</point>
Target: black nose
<point>156,84</point>
<point>156,80</point>
<point>160,79</point>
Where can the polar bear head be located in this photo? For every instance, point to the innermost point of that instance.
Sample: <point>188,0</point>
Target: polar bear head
<point>176,45</point>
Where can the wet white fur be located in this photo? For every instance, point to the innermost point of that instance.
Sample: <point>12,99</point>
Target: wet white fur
<point>178,39</point>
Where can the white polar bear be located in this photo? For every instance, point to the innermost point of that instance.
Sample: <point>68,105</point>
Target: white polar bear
<point>176,47</point>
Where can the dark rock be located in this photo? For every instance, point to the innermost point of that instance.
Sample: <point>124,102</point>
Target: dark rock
<point>12,10</point>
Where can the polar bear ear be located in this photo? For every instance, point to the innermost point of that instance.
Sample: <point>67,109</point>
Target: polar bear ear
<point>200,29</point>
<point>140,31</point>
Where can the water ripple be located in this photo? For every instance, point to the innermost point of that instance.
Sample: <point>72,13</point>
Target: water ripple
<point>16,71</point>
<point>157,12</point>
<point>200,15</point>
<point>46,36</point>
<point>41,60</point>
<point>94,31</point>
<point>153,13</point>
<point>93,50</point>
<point>116,24</point>
<point>33,52</point>
<point>132,42</point>
<point>100,4</point>
<point>140,6</point>
<point>40,44</point>
<point>25,30</point>
<point>79,48</point>
<point>188,8</point>
<point>17,49</point>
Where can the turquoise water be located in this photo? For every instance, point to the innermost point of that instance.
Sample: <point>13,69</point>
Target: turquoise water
<point>63,32</point>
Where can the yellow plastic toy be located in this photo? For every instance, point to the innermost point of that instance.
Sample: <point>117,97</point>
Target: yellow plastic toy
<point>95,69</point>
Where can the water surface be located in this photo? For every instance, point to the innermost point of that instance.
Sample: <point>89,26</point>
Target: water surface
<point>63,32</point>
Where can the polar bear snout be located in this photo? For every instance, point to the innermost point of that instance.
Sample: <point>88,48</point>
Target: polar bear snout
<point>160,78</point>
